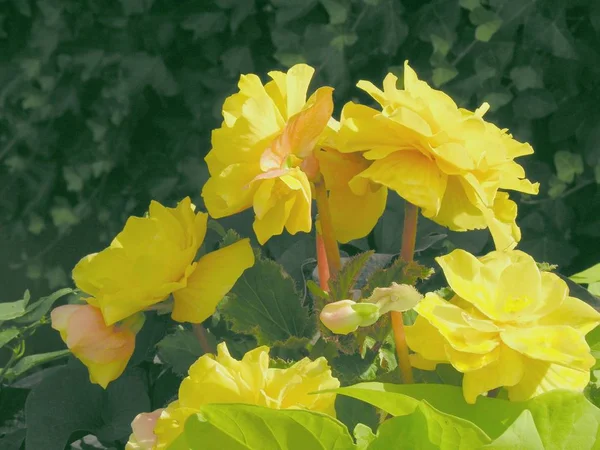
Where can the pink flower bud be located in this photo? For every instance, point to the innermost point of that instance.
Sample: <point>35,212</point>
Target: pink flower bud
<point>346,316</point>
<point>142,427</point>
<point>105,350</point>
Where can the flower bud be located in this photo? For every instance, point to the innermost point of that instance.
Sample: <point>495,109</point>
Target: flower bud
<point>346,316</point>
<point>105,350</point>
<point>397,297</point>
<point>143,437</point>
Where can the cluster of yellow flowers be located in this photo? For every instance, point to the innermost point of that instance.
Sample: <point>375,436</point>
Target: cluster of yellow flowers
<point>223,379</point>
<point>507,325</point>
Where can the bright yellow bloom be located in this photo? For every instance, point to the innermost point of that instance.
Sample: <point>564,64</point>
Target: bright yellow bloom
<point>446,160</point>
<point>105,350</point>
<point>153,257</point>
<point>263,155</point>
<point>223,379</point>
<point>509,324</point>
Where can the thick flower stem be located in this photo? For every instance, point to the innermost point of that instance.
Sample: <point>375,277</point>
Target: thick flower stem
<point>202,336</point>
<point>331,246</point>
<point>409,237</point>
<point>322,262</point>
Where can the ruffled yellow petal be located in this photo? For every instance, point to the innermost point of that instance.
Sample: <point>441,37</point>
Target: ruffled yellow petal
<point>213,277</point>
<point>559,344</point>
<point>574,313</point>
<point>424,339</point>
<point>507,370</point>
<point>541,377</point>
<point>413,176</point>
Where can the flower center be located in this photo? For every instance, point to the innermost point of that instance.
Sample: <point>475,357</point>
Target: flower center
<point>516,304</point>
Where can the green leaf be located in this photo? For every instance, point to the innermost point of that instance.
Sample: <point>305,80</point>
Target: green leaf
<point>136,6</point>
<point>36,225</point>
<point>73,180</point>
<point>550,35</point>
<point>7,335</point>
<point>66,402</point>
<point>352,412</point>
<point>442,75</point>
<point>497,99</point>
<point>427,428</point>
<point>469,4</point>
<point>525,77</point>
<point>338,10</point>
<point>288,10</point>
<point>341,285</point>
<point>568,165</point>
<point>565,420</point>
<point>485,31</point>
<point>399,272</point>
<point>179,350</point>
<point>534,104</point>
<point>40,308</point>
<point>205,24</point>
<point>522,434</point>
<point>591,275</point>
<point>249,427</point>
<point>264,303</point>
<point>363,436</point>
<point>13,440</point>
<point>12,310</point>
<point>29,362</point>
<point>489,414</point>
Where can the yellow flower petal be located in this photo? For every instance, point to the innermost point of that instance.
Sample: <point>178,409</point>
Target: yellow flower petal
<point>213,277</point>
<point>426,340</point>
<point>508,370</point>
<point>573,313</point>
<point>541,377</point>
<point>559,344</point>
<point>413,176</point>
<point>453,324</point>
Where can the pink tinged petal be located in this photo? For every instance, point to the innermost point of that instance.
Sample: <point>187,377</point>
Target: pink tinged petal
<point>213,277</point>
<point>61,315</point>
<point>507,370</point>
<point>555,344</point>
<point>542,376</point>
<point>143,428</point>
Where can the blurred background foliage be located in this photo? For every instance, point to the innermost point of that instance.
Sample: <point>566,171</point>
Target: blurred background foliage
<point>107,104</point>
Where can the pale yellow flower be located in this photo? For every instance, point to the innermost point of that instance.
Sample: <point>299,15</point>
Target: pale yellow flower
<point>509,325</point>
<point>446,160</point>
<point>223,379</point>
<point>105,350</point>
<point>263,157</point>
<point>153,257</point>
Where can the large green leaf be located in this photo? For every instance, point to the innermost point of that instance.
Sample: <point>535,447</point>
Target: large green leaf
<point>66,402</point>
<point>249,427</point>
<point>565,420</point>
<point>591,275</point>
<point>522,434</point>
<point>428,429</point>
<point>180,350</point>
<point>264,303</point>
<point>491,415</point>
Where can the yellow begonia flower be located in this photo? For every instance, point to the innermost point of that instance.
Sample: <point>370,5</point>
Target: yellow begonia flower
<point>509,324</point>
<point>105,350</point>
<point>223,379</point>
<point>448,161</point>
<point>153,257</point>
<point>263,157</point>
